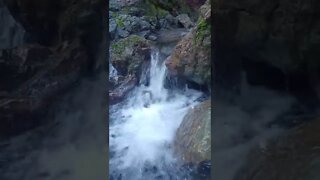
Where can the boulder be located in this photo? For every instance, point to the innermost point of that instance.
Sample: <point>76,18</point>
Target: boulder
<point>128,54</point>
<point>185,20</point>
<point>274,42</point>
<point>62,44</point>
<point>193,137</point>
<point>179,6</point>
<point>191,57</point>
<point>122,87</point>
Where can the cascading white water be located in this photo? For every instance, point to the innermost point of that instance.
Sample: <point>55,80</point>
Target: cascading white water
<point>142,130</point>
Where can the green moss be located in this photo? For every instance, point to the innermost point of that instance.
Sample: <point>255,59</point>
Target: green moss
<point>118,47</point>
<point>120,22</point>
<point>125,10</point>
<point>202,30</point>
<point>113,14</point>
<point>154,9</point>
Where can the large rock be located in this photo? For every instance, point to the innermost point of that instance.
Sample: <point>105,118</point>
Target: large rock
<point>63,42</point>
<point>185,20</point>
<point>276,42</point>
<point>191,58</point>
<point>128,54</point>
<point>178,6</point>
<point>193,138</point>
<point>122,86</point>
<point>294,156</point>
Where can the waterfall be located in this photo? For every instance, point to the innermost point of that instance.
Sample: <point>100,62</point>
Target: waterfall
<point>142,128</point>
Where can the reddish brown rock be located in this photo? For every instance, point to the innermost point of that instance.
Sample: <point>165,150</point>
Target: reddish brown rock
<point>125,86</point>
<point>191,58</point>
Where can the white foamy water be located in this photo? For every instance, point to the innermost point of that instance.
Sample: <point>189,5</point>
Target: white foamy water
<point>142,130</point>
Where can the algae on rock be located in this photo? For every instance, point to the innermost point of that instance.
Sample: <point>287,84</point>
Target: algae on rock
<point>128,54</point>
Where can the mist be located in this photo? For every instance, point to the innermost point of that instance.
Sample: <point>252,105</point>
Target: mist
<point>72,145</point>
<point>243,124</point>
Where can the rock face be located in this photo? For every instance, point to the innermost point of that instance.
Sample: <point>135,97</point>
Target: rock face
<point>121,88</point>
<point>128,54</point>
<point>191,58</point>
<point>62,43</point>
<point>179,6</point>
<point>193,137</point>
<point>295,156</point>
<point>275,42</point>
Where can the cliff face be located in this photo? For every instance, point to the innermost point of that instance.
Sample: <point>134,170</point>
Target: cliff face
<point>48,46</point>
<point>275,42</point>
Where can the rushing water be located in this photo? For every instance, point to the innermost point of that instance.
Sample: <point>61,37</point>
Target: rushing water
<point>142,128</point>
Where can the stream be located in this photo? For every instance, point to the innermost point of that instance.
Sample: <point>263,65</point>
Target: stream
<point>142,128</point>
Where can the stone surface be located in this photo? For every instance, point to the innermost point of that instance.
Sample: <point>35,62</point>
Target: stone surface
<point>191,58</point>
<point>185,20</point>
<point>128,54</point>
<point>193,137</point>
<point>122,87</point>
<point>275,42</point>
<point>64,42</point>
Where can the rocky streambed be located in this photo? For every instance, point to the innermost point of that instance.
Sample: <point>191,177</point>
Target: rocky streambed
<point>151,97</point>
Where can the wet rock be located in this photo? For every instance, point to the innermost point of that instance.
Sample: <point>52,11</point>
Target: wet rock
<point>152,37</point>
<point>112,28</point>
<point>57,54</point>
<point>204,170</point>
<point>167,49</point>
<point>170,36</point>
<point>127,55</point>
<point>293,156</point>
<point>185,20</point>
<point>276,33</point>
<point>179,6</point>
<point>122,33</point>
<point>191,57</point>
<point>19,64</point>
<point>193,137</point>
<point>123,87</point>
<point>171,20</point>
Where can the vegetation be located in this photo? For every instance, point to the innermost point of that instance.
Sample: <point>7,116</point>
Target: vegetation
<point>202,30</point>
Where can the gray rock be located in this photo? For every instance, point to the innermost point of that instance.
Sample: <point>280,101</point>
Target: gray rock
<point>185,20</point>
<point>171,20</point>
<point>144,25</point>
<point>122,33</point>
<point>144,34</point>
<point>166,50</point>
<point>112,27</point>
<point>152,37</point>
<point>193,137</point>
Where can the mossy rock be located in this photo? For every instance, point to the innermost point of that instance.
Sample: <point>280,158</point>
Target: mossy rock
<point>193,137</point>
<point>128,54</point>
<point>191,58</point>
